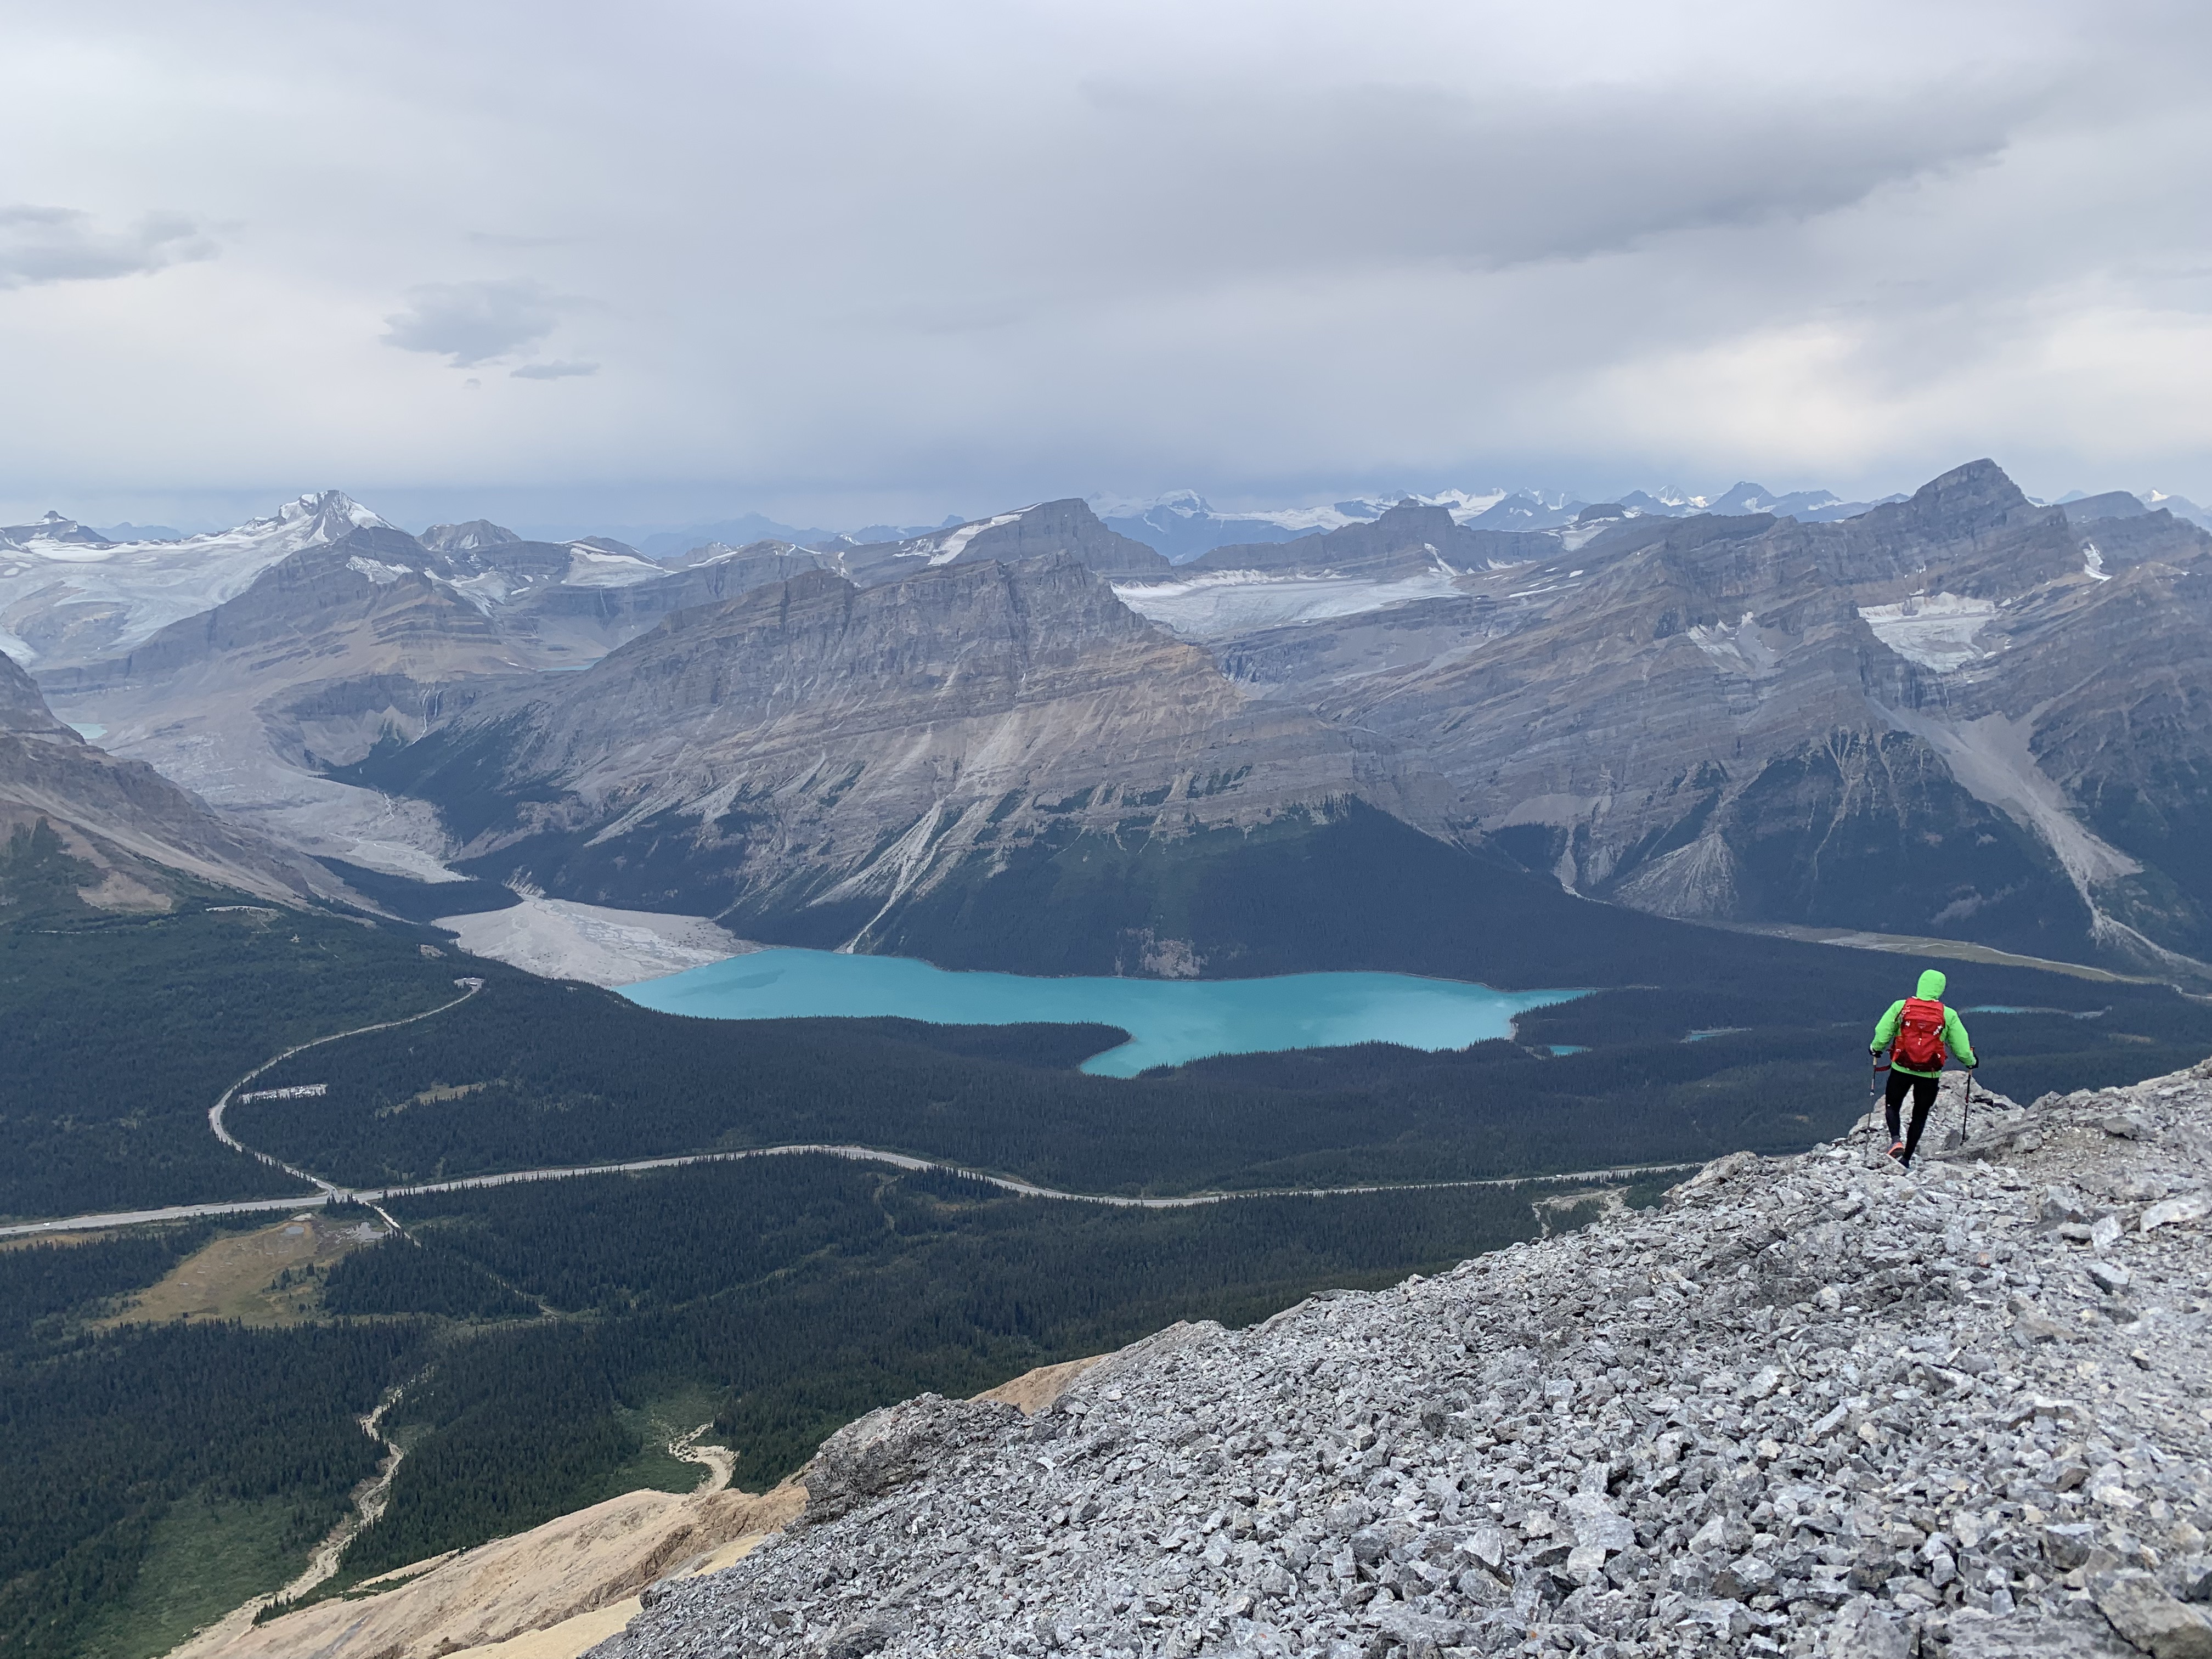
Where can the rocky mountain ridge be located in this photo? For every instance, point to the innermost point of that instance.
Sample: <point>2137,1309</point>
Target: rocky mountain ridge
<point>1961,714</point>
<point>120,818</point>
<point>1818,1406</point>
<point>1184,526</point>
<point>1958,712</point>
<point>819,750</point>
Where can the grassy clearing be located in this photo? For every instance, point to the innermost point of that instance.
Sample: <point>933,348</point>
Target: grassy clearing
<point>269,1276</point>
<point>205,1558</point>
<point>654,1467</point>
<point>664,1418</point>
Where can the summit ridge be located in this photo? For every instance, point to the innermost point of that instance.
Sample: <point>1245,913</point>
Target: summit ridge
<point>1816,1406</point>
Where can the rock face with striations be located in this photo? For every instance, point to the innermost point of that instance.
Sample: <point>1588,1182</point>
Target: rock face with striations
<point>1816,1407</point>
<point>833,754</point>
<point>1063,527</point>
<point>1956,714</point>
<point>119,816</point>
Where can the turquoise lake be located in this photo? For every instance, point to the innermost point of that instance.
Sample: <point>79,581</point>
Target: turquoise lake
<point>1168,1021</point>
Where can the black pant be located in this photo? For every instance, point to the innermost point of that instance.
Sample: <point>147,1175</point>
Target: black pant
<point>1924,1100</point>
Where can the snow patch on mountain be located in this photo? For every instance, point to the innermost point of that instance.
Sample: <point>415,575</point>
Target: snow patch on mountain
<point>377,571</point>
<point>591,567</point>
<point>1936,630</point>
<point>1737,648</point>
<point>58,563</point>
<point>1238,601</point>
<point>943,550</point>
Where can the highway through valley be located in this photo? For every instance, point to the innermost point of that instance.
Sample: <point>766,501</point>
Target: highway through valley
<point>321,1192</point>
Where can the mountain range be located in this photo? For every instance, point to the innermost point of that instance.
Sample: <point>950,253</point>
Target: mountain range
<point>1959,714</point>
<point>1184,527</point>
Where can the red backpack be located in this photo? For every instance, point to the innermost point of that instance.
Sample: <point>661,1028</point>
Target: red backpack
<point>1920,1036</point>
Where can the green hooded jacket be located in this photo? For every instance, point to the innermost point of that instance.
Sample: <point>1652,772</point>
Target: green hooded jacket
<point>1955,1034</point>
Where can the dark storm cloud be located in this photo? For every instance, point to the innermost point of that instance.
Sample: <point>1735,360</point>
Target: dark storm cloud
<point>859,260</point>
<point>1189,178</point>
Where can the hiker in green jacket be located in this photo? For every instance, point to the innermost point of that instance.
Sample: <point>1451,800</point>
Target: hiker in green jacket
<point>1918,1033</point>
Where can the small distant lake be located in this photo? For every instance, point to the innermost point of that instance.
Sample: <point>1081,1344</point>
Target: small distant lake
<point>1168,1021</point>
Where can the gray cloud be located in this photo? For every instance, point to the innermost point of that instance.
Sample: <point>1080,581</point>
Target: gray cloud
<point>864,261</point>
<point>62,244</point>
<point>555,370</point>
<point>471,323</point>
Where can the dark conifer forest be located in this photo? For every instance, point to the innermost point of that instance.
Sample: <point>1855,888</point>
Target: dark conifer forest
<point>538,1345</point>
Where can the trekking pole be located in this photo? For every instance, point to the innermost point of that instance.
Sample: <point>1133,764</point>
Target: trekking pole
<point>1966,1106</point>
<point>1874,1090</point>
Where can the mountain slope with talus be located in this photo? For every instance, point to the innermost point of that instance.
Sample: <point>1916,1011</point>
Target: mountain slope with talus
<point>815,761</point>
<point>342,633</point>
<point>1817,1406</point>
<point>128,826</point>
<point>1958,714</point>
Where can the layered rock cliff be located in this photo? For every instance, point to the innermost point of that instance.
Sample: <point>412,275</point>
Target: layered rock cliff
<point>830,756</point>
<point>120,819</point>
<point>1063,527</point>
<point>1958,714</point>
<point>1815,1406</point>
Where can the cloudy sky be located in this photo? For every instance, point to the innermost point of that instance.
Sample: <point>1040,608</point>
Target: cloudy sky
<point>581,264</point>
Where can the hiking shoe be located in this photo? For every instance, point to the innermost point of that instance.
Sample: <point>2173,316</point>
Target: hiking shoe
<point>1897,1150</point>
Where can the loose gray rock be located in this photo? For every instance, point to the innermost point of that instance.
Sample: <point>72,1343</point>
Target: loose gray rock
<point>1814,1406</point>
<point>889,1447</point>
<point>2145,1615</point>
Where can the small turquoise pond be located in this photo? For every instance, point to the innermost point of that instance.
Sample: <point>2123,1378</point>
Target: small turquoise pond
<point>1168,1021</point>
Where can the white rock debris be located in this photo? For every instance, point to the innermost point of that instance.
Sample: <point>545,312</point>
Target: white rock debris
<point>1813,1406</point>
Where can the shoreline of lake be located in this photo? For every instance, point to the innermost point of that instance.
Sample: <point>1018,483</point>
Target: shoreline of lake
<point>1169,1021</point>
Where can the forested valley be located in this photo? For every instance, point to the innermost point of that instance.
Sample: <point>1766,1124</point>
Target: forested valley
<point>548,1337</point>
<point>533,1074</point>
<point>542,1342</point>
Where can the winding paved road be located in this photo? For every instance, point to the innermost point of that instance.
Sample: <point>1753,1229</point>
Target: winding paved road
<point>327,1192</point>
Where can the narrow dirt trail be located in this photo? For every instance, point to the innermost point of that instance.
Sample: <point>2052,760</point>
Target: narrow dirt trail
<point>370,1498</point>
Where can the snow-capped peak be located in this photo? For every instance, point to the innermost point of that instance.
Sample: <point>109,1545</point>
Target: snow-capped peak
<point>326,509</point>
<point>146,586</point>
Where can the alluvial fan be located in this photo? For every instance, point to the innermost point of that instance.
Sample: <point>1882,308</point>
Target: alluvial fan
<point>1815,1406</point>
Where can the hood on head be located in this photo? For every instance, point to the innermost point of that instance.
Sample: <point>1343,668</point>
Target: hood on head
<point>1931,984</point>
